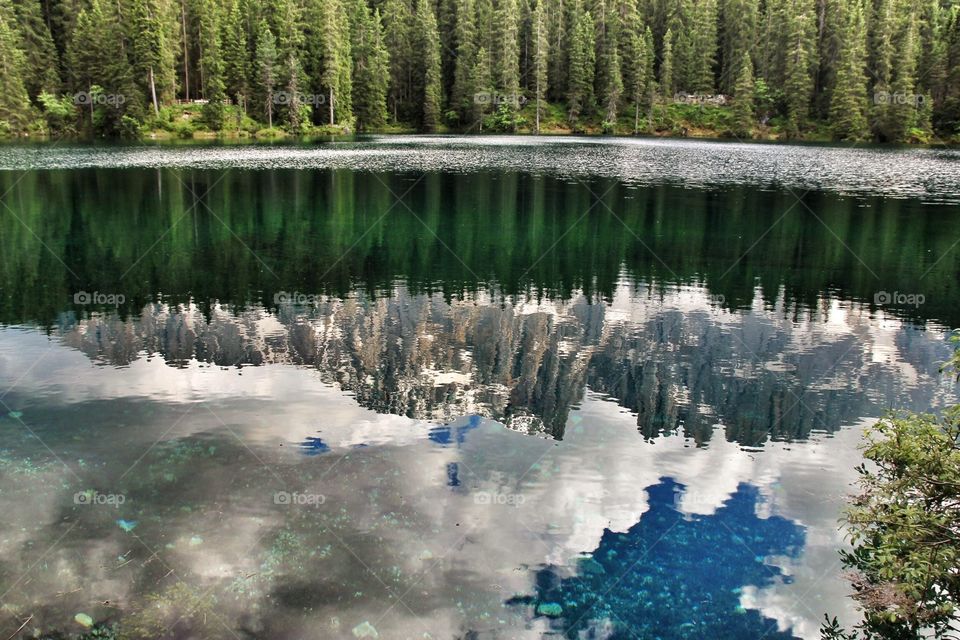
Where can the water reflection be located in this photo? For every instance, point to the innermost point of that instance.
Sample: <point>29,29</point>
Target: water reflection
<point>671,575</point>
<point>314,411</point>
<point>680,364</point>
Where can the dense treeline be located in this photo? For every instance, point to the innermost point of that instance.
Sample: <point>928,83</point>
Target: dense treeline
<point>849,69</point>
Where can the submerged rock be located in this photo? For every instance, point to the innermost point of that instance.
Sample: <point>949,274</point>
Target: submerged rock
<point>550,609</point>
<point>83,620</point>
<point>365,630</point>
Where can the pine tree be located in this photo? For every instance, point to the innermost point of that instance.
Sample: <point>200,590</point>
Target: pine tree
<point>427,82</point>
<point>211,66</point>
<point>506,63</point>
<point>848,104</point>
<point>798,65</point>
<point>667,86</point>
<point>463,92</point>
<point>149,44</point>
<point>14,101</point>
<point>39,52</point>
<point>541,52</point>
<point>743,102</point>
<point>703,47</point>
<point>370,68</point>
<point>236,58</point>
<point>738,33</point>
<point>398,36</point>
<point>582,60</point>
<point>266,64</point>
<point>482,81</point>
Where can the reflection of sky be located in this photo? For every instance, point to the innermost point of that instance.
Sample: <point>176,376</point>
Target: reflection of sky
<point>672,575</point>
<point>464,520</point>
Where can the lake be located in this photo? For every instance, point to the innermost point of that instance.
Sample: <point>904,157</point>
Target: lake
<point>455,387</point>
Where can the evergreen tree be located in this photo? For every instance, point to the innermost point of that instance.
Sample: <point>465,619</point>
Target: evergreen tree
<point>541,52</point>
<point>14,102</point>
<point>666,66</point>
<point>743,102</point>
<point>149,44</point>
<point>266,64</point>
<point>848,104</point>
<point>582,60</point>
<point>482,82</point>
<point>371,73</point>
<point>506,63</point>
<point>39,52</point>
<point>236,58</point>
<point>427,80</point>
<point>463,92</point>
<point>398,36</point>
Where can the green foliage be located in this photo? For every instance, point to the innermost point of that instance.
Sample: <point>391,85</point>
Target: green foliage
<point>848,69</point>
<point>904,529</point>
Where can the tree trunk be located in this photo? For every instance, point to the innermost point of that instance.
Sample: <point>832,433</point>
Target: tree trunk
<point>153,94</point>
<point>331,106</point>
<point>186,54</point>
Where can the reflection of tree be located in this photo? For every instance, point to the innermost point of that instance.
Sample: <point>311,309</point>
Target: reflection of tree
<point>139,233</point>
<point>672,576</point>
<point>528,365</point>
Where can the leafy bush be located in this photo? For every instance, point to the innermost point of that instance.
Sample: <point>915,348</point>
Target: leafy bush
<point>905,530</point>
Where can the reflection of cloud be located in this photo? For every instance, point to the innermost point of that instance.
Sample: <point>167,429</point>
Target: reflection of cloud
<point>673,357</point>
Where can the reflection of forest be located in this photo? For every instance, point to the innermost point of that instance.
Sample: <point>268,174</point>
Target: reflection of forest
<point>249,234</point>
<point>674,361</point>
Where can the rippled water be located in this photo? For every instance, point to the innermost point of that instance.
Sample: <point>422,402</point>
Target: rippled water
<point>454,387</point>
<point>931,174</point>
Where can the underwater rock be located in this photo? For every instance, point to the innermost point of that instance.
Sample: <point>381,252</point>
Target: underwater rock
<point>83,620</point>
<point>365,630</point>
<point>127,525</point>
<point>550,609</point>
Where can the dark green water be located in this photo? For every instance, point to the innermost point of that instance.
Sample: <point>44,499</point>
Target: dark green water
<point>515,390</point>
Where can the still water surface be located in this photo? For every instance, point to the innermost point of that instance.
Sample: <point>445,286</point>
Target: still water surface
<point>455,387</point>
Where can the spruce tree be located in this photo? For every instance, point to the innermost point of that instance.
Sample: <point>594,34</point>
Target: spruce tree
<point>743,102</point>
<point>427,83</point>
<point>398,37</point>
<point>370,68</point>
<point>506,63</point>
<point>39,52</point>
<point>848,104</point>
<point>463,92</point>
<point>580,99</point>
<point>666,66</point>
<point>266,65</point>
<point>236,58</point>
<point>541,53</point>
<point>14,101</point>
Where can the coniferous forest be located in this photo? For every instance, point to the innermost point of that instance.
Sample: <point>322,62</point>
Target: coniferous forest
<point>881,70</point>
